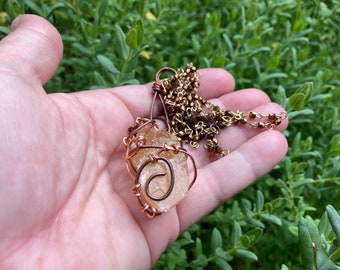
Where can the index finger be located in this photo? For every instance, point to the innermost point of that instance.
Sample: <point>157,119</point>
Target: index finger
<point>214,82</point>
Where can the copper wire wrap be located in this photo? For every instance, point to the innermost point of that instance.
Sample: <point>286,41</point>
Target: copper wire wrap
<point>134,144</point>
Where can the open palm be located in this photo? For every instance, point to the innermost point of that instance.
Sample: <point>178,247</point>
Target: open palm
<point>65,195</point>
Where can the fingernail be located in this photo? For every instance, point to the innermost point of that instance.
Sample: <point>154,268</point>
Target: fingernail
<point>16,23</point>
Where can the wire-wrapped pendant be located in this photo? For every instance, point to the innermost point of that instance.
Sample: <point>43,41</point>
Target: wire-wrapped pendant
<point>156,159</point>
<point>159,164</point>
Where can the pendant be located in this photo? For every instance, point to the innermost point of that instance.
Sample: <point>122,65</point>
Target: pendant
<point>159,165</point>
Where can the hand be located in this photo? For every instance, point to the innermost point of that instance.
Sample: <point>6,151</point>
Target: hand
<point>65,195</point>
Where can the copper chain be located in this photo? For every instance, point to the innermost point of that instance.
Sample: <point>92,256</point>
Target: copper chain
<point>192,118</point>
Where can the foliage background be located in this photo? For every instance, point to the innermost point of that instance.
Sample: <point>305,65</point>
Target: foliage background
<point>288,48</point>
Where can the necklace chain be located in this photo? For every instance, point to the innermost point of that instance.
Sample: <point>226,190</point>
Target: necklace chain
<point>192,118</point>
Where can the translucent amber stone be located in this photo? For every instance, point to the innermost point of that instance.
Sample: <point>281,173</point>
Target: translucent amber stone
<point>163,175</point>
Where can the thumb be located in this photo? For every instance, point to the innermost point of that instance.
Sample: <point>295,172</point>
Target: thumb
<point>32,50</point>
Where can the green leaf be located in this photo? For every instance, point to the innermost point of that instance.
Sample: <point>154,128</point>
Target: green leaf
<point>334,220</point>
<point>300,114</point>
<point>335,254</point>
<point>176,249</point>
<point>302,96</point>
<point>82,49</point>
<point>108,67</point>
<point>122,47</point>
<point>107,64</point>
<point>140,32</point>
<point>309,241</point>
<point>222,264</point>
<point>294,230</point>
<point>104,43</point>
<point>102,8</point>
<point>277,205</point>
<point>324,225</point>
<point>229,44</point>
<point>307,89</point>
<point>245,254</point>
<point>255,42</point>
<point>297,101</point>
<point>271,218</point>
<point>254,221</point>
<point>131,39</point>
<point>219,252</point>
<point>5,30</point>
<point>175,257</point>
<point>275,75</point>
<point>299,25</point>
<point>32,5</point>
<point>216,240</point>
<point>245,240</point>
<point>273,63</point>
<point>200,261</point>
<point>218,61</point>
<point>99,80</point>
<point>198,247</point>
<point>130,82</point>
<point>254,235</point>
<point>236,234</point>
<point>246,205</point>
<point>187,238</point>
<point>259,200</point>
<point>324,10</point>
<point>306,250</point>
<point>55,7</point>
<point>303,182</point>
<point>284,267</point>
<point>323,262</point>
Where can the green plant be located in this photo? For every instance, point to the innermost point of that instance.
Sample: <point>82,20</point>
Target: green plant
<point>287,48</point>
<point>320,243</point>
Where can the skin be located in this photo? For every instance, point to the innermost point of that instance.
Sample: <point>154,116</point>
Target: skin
<point>65,195</point>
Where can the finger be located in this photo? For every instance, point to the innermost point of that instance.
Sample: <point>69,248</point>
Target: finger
<point>214,82</point>
<point>32,50</point>
<point>125,104</point>
<point>246,101</point>
<point>243,100</point>
<point>223,178</point>
<point>230,138</point>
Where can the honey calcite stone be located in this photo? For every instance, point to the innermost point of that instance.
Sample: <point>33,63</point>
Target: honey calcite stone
<point>162,172</point>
